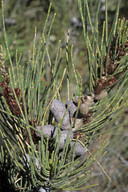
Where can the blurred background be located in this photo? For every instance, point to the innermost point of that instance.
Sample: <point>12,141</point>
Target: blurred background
<point>21,17</point>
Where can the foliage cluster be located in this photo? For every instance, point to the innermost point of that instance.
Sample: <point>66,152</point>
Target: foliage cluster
<point>32,158</point>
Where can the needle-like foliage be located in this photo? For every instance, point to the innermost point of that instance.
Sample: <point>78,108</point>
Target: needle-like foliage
<point>46,143</point>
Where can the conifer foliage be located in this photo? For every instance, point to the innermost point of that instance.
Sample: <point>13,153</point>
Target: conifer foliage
<point>47,143</point>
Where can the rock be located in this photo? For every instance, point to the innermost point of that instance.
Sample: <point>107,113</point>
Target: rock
<point>63,138</point>
<point>72,107</point>
<point>58,110</point>
<point>48,130</point>
<point>79,149</point>
<point>26,161</point>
